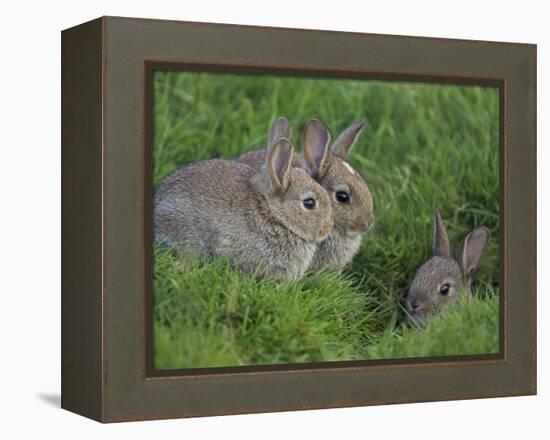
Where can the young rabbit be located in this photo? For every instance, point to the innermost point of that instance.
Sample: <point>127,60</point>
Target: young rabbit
<point>442,280</point>
<point>268,222</point>
<point>351,200</point>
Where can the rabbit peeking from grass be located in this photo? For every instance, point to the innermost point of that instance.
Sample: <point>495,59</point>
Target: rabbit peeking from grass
<point>443,279</point>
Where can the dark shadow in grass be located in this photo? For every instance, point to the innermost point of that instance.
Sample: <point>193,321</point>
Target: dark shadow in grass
<point>51,399</point>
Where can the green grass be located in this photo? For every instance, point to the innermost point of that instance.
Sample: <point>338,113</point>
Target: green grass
<point>456,331</point>
<point>425,146</point>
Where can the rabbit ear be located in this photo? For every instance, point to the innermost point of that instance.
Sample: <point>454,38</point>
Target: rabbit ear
<point>472,250</point>
<point>315,143</point>
<point>279,129</point>
<point>279,163</point>
<point>441,245</point>
<point>344,143</point>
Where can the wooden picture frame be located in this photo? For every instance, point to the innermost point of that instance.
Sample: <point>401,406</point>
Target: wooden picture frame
<point>107,370</point>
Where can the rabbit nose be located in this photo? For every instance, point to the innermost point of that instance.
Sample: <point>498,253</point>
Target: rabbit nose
<point>370,218</point>
<point>414,304</point>
<point>327,227</point>
<point>364,223</point>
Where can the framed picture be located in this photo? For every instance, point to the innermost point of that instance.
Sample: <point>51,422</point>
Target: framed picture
<point>262,219</point>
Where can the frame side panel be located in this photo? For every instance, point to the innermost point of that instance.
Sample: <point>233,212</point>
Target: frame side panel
<point>81,213</point>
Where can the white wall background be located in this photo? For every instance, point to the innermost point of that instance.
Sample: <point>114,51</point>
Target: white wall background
<point>30,218</point>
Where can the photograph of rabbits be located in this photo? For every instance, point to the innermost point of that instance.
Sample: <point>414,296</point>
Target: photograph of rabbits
<point>301,219</point>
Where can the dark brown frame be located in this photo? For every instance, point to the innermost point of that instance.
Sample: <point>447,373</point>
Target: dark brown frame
<point>106,215</point>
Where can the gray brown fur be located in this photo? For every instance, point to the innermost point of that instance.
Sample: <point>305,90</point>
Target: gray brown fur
<point>328,166</point>
<point>221,208</point>
<point>425,297</point>
<point>256,158</point>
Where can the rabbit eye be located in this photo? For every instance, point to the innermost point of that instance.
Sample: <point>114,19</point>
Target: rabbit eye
<point>444,289</point>
<point>309,203</point>
<point>342,196</point>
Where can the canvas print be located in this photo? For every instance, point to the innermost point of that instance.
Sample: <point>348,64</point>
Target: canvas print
<point>304,220</point>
